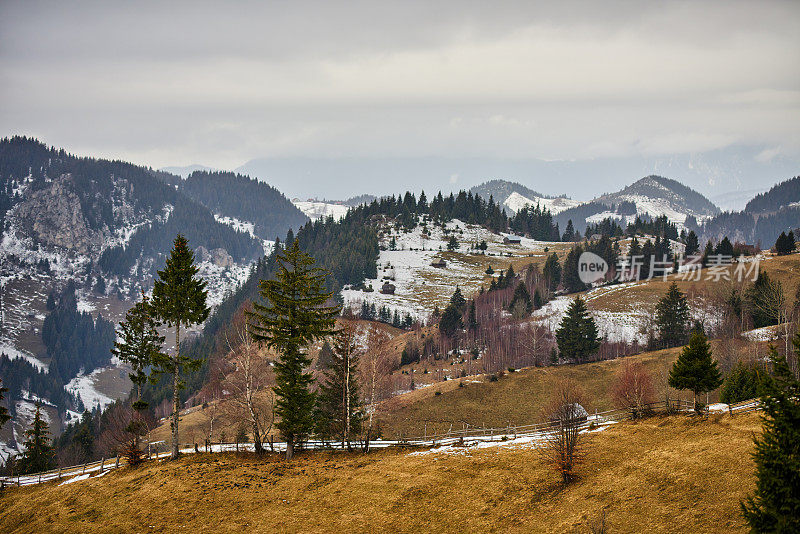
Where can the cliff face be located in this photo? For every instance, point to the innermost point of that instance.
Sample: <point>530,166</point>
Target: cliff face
<point>53,217</point>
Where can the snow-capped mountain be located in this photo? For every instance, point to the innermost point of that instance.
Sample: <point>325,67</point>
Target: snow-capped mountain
<point>657,196</point>
<point>651,196</point>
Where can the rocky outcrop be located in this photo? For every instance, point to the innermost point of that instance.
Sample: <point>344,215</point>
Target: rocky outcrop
<point>217,256</point>
<point>53,217</point>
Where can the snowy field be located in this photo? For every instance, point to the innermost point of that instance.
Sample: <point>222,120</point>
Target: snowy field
<point>418,285</point>
<point>515,202</point>
<point>317,210</point>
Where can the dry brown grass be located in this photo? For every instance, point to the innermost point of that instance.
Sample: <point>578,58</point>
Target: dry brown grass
<point>674,474</point>
<point>516,398</point>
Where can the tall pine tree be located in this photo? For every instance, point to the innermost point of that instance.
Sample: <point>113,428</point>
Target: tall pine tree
<point>775,506</point>
<point>38,455</point>
<point>179,298</point>
<point>577,334</point>
<point>295,316</point>
<point>672,317</point>
<point>694,369</point>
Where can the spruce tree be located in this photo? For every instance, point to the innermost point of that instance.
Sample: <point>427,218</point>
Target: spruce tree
<point>570,276</point>
<point>692,243</point>
<point>672,317</point>
<point>450,322</point>
<point>457,300</point>
<point>577,334</point>
<point>179,298</point>
<point>4,417</point>
<point>521,301</point>
<point>741,384</point>
<point>338,408</point>
<point>38,455</point>
<point>694,369</point>
<point>139,345</point>
<point>472,320</point>
<point>295,316</point>
<point>552,272</point>
<point>775,506</point>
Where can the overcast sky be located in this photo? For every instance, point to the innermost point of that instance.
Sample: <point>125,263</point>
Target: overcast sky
<point>171,83</point>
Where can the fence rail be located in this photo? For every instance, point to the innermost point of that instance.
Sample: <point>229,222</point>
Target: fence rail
<point>467,435</point>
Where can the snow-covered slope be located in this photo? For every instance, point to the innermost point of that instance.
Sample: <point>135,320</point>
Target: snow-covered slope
<point>516,202</point>
<point>316,210</point>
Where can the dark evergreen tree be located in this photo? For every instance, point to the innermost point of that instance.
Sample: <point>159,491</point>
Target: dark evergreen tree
<point>521,304</point>
<point>692,243</point>
<point>295,316</point>
<point>450,322</point>
<point>695,369</point>
<point>472,320</point>
<point>457,300</point>
<point>552,272</point>
<point>707,252</point>
<point>139,345</point>
<point>338,408</point>
<point>569,233</point>
<point>179,298</point>
<point>742,383</point>
<point>577,336</point>
<point>38,455</point>
<point>775,506</point>
<point>570,277</point>
<point>785,244</point>
<point>4,417</point>
<point>724,248</point>
<point>672,317</point>
<point>452,243</point>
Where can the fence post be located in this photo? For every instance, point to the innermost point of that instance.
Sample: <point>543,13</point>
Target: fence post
<point>59,473</point>
<point>40,478</point>
<point>102,463</point>
<point>116,464</point>
<point>84,469</point>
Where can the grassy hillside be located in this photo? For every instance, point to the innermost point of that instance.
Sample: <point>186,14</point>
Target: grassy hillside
<point>677,474</point>
<point>516,398</point>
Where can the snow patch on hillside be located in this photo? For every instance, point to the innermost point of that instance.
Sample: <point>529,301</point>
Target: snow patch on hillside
<point>247,228</point>
<point>13,353</point>
<point>515,202</point>
<point>316,210</point>
<point>85,387</point>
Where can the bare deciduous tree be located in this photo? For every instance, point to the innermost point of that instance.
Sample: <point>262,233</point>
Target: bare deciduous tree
<point>633,388</point>
<point>375,366</point>
<point>248,396</point>
<point>563,447</point>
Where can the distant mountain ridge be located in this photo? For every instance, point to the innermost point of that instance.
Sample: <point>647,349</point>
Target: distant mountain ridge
<point>673,194</point>
<point>781,195</point>
<point>762,220</point>
<point>245,199</point>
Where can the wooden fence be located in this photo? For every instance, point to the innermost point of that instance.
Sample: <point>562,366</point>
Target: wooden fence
<point>467,435</point>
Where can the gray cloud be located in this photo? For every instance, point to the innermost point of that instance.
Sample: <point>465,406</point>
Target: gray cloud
<point>219,84</point>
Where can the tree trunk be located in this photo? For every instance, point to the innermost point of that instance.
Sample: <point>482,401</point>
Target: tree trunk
<point>175,396</point>
<point>257,439</point>
<point>346,437</point>
<point>289,447</point>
